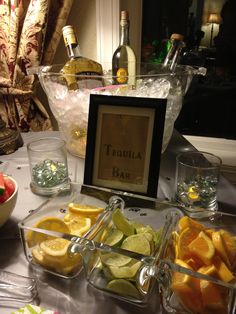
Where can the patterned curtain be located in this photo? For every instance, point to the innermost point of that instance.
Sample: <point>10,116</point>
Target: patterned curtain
<point>30,31</point>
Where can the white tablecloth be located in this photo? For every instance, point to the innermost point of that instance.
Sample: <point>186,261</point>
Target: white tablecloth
<point>76,296</point>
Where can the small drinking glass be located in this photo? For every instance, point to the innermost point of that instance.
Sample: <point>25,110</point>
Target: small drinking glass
<point>197,177</point>
<point>48,165</point>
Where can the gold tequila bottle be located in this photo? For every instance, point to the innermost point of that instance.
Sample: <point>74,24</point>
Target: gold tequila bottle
<point>80,72</point>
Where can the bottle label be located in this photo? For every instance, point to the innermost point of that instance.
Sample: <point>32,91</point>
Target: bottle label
<point>89,80</point>
<point>70,39</point>
<point>122,75</point>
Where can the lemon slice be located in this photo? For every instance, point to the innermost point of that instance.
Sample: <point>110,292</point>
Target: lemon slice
<point>38,256</point>
<point>115,259</point>
<point>123,287</point>
<point>78,225</point>
<point>114,238</point>
<point>47,223</point>
<point>137,243</point>
<point>122,223</point>
<point>85,210</point>
<point>55,247</point>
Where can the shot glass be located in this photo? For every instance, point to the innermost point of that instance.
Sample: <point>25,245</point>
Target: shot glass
<point>197,177</point>
<point>48,166</point>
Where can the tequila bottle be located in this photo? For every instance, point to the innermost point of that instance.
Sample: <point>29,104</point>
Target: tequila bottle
<point>80,72</point>
<point>124,59</point>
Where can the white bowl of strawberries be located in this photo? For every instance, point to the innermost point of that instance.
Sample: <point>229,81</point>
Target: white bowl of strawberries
<point>8,197</point>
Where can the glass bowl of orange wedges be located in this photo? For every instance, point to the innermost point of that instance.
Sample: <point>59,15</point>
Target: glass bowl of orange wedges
<point>197,271</point>
<point>67,214</point>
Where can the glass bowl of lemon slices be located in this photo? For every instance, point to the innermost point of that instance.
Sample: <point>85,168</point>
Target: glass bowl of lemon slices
<point>196,271</point>
<point>68,214</point>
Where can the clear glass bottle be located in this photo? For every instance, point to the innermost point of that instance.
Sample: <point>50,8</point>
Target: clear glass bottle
<point>89,71</point>
<point>124,59</point>
<point>172,58</point>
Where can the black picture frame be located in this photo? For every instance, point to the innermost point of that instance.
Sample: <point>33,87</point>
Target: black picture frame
<point>126,163</point>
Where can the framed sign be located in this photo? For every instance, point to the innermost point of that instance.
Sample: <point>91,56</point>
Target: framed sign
<point>124,143</point>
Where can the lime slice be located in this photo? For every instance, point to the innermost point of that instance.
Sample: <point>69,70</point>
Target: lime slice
<point>148,236</point>
<point>157,237</point>
<point>122,223</point>
<point>114,238</point>
<point>137,225</point>
<point>123,287</point>
<point>148,229</point>
<point>115,259</point>
<point>128,271</point>
<point>137,243</point>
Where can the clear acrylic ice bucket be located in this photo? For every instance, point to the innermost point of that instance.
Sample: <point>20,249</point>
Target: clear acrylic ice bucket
<point>70,107</point>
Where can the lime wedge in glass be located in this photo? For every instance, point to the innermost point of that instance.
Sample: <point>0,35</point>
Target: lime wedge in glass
<point>137,225</point>
<point>122,223</point>
<point>137,243</point>
<point>114,238</point>
<point>148,236</point>
<point>128,271</point>
<point>114,259</point>
<point>124,287</point>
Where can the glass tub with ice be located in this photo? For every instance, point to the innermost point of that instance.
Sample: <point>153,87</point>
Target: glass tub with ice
<point>70,106</point>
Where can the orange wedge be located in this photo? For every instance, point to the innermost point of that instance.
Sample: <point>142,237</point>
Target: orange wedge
<point>230,245</point>
<point>186,222</point>
<point>203,248</point>
<point>194,263</point>
<point>186,289</point>
<point>208,270</point>
<point>211,296</point>
<point>185,238</point>
<point>181,278</point>
<point>220,247</point>
<point>223,271</point>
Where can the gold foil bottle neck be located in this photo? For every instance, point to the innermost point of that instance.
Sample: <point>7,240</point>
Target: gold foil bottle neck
<point>124,18</point>
<point>69,35</point>
<point>124,15</point>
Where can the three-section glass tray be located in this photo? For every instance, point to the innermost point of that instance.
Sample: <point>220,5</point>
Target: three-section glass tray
<point>137,245</point>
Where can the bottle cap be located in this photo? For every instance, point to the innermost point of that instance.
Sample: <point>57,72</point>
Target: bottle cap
<point>124,18</point>
<point>176,36</point>
<point>124,15</point>
<point>69,35</point>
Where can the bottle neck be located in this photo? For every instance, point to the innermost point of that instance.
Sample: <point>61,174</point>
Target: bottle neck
<point>71,42</point>
<point>124,34</point>
<point>173,54</point>
<point>73,51</point>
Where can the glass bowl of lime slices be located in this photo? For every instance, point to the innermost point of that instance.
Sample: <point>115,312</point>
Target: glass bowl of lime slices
<point>125,248</point>
<point>196,270</point>
<point>66,215</point>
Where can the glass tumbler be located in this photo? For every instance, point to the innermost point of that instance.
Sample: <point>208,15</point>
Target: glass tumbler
<point>48,165</point>
<point>197,177</point>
